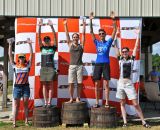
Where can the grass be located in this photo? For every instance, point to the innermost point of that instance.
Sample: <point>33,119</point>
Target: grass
<point>132,126</point>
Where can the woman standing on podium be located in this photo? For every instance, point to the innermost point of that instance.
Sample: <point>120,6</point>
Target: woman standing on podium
<point>75,71</point>
<point>102,65</point>
<point>47,72</point>
<point>21,85</point>
<point>125,86</point>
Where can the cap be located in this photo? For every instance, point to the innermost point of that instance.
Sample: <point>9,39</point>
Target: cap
<point>21,55</point>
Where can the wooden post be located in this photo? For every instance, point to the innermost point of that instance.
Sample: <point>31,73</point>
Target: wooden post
<point>5,75</point>
<point>146,63</point>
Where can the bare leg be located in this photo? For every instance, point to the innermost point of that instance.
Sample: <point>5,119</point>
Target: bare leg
<point>26,109</point>
<point>45,92</point>
<point>79,92</point>
<point>71,91</point>
<point>124,115</point>
<point>138,110</point>
<point>16,108</point>
<point>107,91</point>
<point>50,84</point>
<point>97,93</point>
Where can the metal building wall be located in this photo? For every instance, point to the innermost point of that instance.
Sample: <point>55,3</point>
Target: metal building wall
<point>122,8</point>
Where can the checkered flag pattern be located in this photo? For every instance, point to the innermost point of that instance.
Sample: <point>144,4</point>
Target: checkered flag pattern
<point>28,28</point>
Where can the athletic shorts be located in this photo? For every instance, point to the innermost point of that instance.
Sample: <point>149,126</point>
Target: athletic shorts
<point>75,74</point>
<point>126,89</point>
<point>21,91</point>
<point>101,68</point>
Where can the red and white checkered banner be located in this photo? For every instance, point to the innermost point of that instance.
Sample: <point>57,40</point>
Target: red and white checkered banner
<point>28,28</point>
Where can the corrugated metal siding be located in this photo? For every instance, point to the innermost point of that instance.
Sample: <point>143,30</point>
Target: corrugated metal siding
<point>90,5</point>
<point>113,5</point>
<point>56,7</point>
<point>146,7</point>
<point>135,7</point>
<point>67,8</point>
<point>156,7</point>
<point>1,7</point>
<point>79,7</point>
<point>124,8</point>
<point>101,8</point>
<point>21,7</point>
<point>44,7</point>
<point>9,7</point>
<point>33,7</point>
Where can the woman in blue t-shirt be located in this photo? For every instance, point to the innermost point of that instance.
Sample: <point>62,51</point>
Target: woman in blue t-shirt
<point>102,65</point>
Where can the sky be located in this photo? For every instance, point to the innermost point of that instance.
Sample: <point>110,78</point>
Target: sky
<point>1,51</point>
<point>156,48</point>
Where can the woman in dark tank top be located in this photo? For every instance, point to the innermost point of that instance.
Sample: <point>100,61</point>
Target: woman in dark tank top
<point>75,67</point>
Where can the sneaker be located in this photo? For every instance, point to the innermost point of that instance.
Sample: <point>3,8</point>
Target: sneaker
<point>106,106</point>
<point>96,106</point>
<point>146,125</point>
<point>45,105</point>
<point>49,106</point>
<point>125,125</point>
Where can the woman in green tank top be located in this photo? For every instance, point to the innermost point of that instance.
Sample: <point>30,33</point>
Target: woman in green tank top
<point>47,72</point>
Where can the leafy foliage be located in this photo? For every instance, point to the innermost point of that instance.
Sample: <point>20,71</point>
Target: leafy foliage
<point>156,61</point>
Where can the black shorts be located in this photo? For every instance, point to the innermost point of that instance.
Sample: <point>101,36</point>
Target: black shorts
<point>101,68</point>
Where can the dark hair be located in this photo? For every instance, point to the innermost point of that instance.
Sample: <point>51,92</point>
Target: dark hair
<point>102,30</point>
<point>75,34</point>
<point>46,39</point>
<point>125,48</point>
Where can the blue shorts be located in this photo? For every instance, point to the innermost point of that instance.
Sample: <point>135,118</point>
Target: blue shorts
<point>21,91</point>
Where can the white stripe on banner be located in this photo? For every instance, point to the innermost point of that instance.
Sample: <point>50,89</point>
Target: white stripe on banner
<point>96,25</point>
<point>125,25</point>
<point>31,85</point>
<point>24,48</point>
<point>47,28</point>
<point>40,102</point>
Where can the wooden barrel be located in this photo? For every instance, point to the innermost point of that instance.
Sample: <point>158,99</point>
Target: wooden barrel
<point>74,113</point>
<point>46,117</point>
<point>103,117</point>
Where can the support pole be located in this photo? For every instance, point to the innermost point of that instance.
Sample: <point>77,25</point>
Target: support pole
<point>5,76</point>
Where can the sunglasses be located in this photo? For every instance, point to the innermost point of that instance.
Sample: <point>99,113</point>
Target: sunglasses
<point>75,37</point>
<point>101,33</point>
<point>124,51</point>
<point>21,57</point>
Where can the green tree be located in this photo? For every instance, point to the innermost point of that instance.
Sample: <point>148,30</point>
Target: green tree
<point>156,61</point>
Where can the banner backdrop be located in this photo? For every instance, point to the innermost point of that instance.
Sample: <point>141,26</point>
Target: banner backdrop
<point>28,28</point>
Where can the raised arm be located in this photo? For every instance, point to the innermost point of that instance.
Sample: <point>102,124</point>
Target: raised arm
<point>114,25</point>
<point>83,32</point>
<point>66,30</point>
<point>39,32</point>
<point>54,33</point>
<point>10,51</point>
<point>91,26</point>
<point>137,41</point>
<point>29,41</point>
<point>117,49</point>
